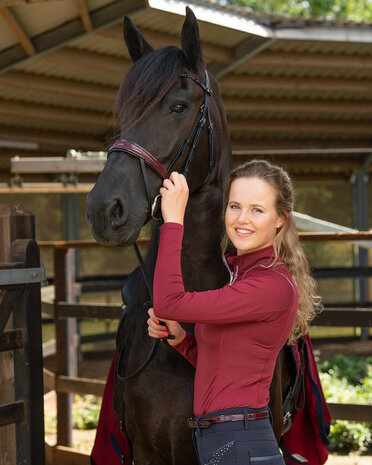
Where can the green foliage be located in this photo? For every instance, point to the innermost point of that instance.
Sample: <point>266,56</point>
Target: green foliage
<point>86,412</point>
<point>354,10</point>
<point>347,379</point>
<point>354,370</point>
<point>348,436</point>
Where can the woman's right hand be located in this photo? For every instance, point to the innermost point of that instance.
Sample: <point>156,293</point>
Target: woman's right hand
<point>158,330</point>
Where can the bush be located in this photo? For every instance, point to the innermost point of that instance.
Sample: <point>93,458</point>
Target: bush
<point>347,379</point>
<point>86,411</point>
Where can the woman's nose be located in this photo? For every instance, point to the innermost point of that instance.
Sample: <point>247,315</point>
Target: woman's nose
<point>244,217</point>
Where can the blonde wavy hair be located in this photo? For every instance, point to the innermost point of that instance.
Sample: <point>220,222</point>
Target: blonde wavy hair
<point>287,247</point>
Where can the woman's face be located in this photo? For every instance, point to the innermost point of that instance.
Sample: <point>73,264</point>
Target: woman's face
<point>251,219</point>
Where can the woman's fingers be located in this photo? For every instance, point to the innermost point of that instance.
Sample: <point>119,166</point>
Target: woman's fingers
<point>155,329</point>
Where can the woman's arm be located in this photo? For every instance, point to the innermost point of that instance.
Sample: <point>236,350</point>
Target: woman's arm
<point>252,299</point>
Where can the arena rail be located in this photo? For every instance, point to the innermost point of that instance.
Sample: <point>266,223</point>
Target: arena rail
<point>65,311</point>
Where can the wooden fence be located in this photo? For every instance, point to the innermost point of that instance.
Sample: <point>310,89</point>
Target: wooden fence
<point>66,311</point>
<point>21,382</point>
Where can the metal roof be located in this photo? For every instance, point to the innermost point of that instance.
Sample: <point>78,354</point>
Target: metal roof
<point>286,82</point>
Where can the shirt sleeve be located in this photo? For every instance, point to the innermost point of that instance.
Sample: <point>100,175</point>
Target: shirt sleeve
<point>254,298</point>
<point>188,348</point>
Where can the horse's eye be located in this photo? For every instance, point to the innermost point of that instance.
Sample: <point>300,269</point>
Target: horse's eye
<point>178,108</point>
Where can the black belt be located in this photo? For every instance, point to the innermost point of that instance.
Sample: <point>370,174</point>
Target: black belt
<point>207,422</point>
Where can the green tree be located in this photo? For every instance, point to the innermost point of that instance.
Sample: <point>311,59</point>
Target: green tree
<point>354,10</point>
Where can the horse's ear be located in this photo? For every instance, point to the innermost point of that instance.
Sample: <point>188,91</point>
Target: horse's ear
<point>137,45</point>
<point>190,40</point>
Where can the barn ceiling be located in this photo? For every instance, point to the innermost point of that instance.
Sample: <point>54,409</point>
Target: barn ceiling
<point>286,83</point>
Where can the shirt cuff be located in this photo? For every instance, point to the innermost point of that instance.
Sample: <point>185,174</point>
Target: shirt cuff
<point>170,225</point>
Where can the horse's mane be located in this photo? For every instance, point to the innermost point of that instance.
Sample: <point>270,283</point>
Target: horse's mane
<point>147,82</point>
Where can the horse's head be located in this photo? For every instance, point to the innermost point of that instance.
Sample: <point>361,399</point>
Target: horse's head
<point>158,102</point>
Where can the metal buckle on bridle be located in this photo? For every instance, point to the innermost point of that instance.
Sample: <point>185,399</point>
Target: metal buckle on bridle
<point>153,209</point>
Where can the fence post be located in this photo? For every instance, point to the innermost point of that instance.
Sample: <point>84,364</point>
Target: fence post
<point>15,223</point>
<point>66,344</point>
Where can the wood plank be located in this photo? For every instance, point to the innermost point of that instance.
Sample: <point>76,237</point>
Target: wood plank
<point>49,379</point>
<point>335,236</point>
<point>18,30</point>
<point>88,311</point>
<point>85,16</point>
<point>12,339</point>
<point>351,412</point>
<point>67,455</point>
<point>13,412</point>
<point>83,244</point>
<point>358,317</point>
<point>77,385</point>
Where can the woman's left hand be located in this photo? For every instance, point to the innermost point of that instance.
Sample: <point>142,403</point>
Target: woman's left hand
<point>174,196</point>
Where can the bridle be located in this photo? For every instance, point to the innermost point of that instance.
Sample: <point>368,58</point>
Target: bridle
<point>145,158</point>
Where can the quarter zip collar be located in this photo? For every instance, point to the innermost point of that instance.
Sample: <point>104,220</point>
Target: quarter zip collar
<point>238,264</point>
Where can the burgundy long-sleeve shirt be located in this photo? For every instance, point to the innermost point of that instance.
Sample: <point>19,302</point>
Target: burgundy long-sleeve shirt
<point>239,329</point>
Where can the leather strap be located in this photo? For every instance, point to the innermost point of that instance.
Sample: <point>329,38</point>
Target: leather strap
<point>207,422</point>
<point>125,145</point>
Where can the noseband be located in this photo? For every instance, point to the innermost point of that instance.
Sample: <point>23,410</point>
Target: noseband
<point>145,158</point>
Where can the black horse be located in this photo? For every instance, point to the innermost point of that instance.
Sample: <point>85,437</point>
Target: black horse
<point>158,102</point>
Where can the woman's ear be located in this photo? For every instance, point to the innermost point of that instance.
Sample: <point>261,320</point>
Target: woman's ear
<point>281,220</point>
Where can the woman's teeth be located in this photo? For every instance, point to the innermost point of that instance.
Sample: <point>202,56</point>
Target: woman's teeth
<point>244,231</point>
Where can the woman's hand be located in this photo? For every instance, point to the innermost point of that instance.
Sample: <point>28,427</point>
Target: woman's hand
<point>158,330</point>
<point>174,196</point>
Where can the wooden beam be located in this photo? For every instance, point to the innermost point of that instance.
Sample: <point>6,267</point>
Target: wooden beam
<point>84,14</point>
<point>297,84</point>
<point>48,85</point>
<point>69,31</point>
<point>351,412</point>
<point>301,127</point>
<point>86,121</point>
<point>18,31</point>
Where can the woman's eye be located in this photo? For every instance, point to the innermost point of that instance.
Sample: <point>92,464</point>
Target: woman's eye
<point>257,210</point>
<point>234,207</point>
<point>178,108</point>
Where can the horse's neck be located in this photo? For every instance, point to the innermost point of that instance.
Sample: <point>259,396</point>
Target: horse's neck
<point>202,264</point>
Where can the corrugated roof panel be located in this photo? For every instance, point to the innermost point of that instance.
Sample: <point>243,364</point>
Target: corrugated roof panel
<point>41,17</point>
<point>305,71</point>
<point>321,47</point>
<point>98,43</point>
<point>75,73</point>
<point>57,100</point>
<point>32,123</point>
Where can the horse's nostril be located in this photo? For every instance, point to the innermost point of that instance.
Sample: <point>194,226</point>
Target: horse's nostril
<point>117,214</point>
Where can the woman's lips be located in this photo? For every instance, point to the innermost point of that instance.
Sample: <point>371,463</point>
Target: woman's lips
<point>241,232</point>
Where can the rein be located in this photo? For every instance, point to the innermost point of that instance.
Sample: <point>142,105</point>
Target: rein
<point>145,158</point>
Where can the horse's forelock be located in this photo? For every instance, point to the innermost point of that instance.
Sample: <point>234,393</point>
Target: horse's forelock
<point>147,82</point>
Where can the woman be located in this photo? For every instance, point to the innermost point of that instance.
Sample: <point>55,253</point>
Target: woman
<point>240,328</point>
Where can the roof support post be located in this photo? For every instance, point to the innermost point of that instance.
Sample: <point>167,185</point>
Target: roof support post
<point>360,184</point>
